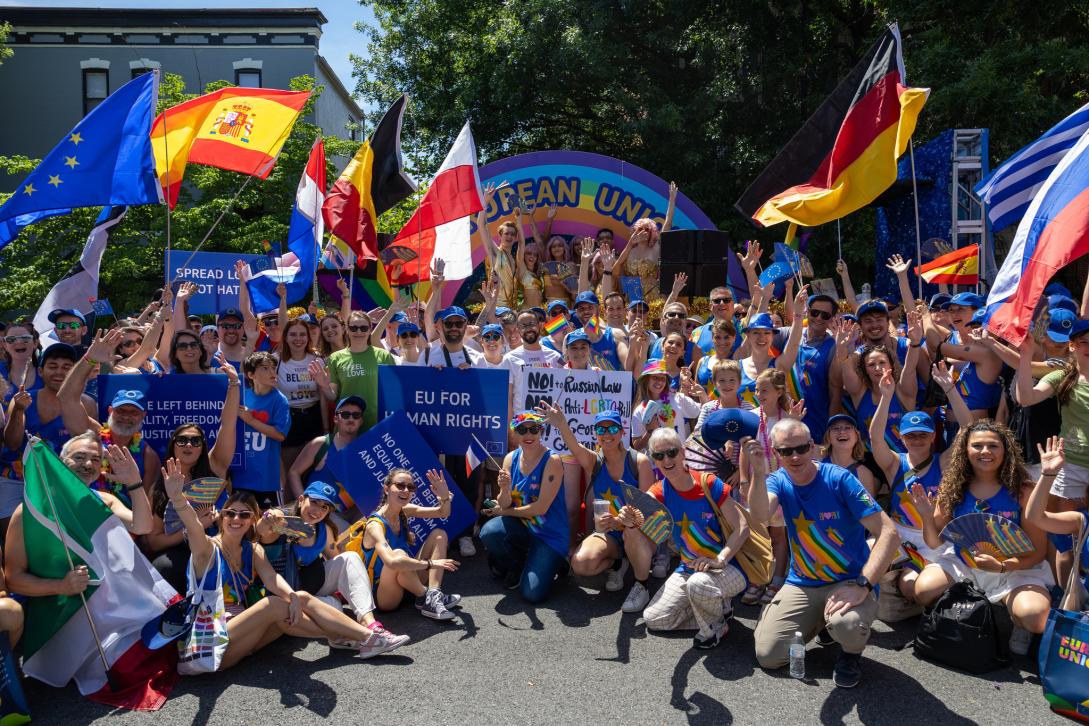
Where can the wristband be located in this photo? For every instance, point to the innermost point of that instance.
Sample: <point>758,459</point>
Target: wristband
<point>429,565</point>
<point>92,362</point>
<point>920,345</point>
<point>1002,568</point>
<point>134,487</point>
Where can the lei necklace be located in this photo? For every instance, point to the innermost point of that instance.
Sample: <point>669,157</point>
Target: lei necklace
<point>102,484</point>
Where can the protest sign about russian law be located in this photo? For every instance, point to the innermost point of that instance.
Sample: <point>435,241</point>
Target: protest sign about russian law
<point>449,405</point>
<point>580,396</point>
<point>395,443</point>
<point>213,274</point>
<point>171,401</point>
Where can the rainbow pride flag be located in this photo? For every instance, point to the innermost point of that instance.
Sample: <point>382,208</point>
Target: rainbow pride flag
<point>556,324</point>
<point>593,326</point>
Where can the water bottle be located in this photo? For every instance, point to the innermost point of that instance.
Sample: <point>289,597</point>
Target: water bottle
<point>865,294</point>
<point>797,656</point>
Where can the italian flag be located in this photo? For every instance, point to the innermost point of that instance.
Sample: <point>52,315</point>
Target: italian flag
<point>60,512</point>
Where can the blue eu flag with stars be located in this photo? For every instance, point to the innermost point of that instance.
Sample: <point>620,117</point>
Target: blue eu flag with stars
<point>105,160</point>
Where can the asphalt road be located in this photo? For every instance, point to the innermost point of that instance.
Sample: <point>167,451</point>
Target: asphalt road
<point>575,659</point>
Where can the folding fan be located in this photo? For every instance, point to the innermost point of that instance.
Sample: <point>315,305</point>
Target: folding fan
<point>205,490</point>
<point>984,533</point>
<point>657,521</point>
<point>701,457</point>
<point>294,528</point>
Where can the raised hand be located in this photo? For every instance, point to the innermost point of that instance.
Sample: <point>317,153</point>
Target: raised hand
<point>318,374</point>
<point>281,291</point>
<point>800,300</point>
<point>639,238</point>
<point>752,255</point>
<point>797,410</point>
<point>915,327</point>
<point>942,375</point>
<point>608,258</point>
<point>186,290</point>
<point>923,503</point>
<point>21,400</point>
<point>841,268</point>
<point>897,264</point>
<point>228,370</point>
<point>754,452</point>
<point>551,212</point>
<point>173,479</point>
<point>104,344</point>
<point>587,252</point>
<point>679,281</point>
<point>887,385</point>
<point>551,413</point>
<point>672,191</point>
<point>123,469</point>
<point>438,483</point>
<point>342,286</point>
<point>1052,457</point>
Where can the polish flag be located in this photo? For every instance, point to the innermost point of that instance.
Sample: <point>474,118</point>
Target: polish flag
<point>440,228</point>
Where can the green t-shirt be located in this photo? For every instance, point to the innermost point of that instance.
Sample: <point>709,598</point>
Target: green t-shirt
<point>1075,419</point>
<point>356,374</point>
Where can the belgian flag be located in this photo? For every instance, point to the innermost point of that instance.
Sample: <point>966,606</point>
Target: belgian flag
<point>845,154</point>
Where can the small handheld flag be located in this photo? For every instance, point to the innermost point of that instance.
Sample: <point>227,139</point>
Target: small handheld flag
<point>101,308</point>
<point>472,461</point>
<point>261,264</point>
<point>593,326</point>
<point>556,324</point>
<point>959,267</point>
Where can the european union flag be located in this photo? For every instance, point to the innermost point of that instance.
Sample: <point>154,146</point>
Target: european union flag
<point>104,161</point>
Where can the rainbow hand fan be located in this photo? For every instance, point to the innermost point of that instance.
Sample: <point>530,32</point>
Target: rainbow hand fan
<point>983,533</point>
<point>294,528</point>
<point>657,521</point>
<point>701,457</point>
<point>205,490</point>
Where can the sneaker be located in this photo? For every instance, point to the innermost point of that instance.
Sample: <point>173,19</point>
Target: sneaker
<point>451,601</point>
<point>466,548</point>
<point>659,565</point>
<point>824,638</point>
<point>718,632</point>
<point>379,643</point>
<point>343,644</point>
<point>430,606</point>
<point>1020,641</point>
<point>614,578</point>
<point>637,598</point>
<point>848,670</point>
<point>512,580</point>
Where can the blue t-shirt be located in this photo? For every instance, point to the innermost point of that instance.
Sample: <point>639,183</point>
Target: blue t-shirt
<point>262,454</point>
<point>824,522</point>
<point>810,376</point>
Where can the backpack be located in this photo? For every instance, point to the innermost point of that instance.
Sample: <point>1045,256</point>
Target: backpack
<point>965,631</point>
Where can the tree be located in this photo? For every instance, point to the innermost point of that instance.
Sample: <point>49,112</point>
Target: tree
<point>132,267</point>
<point>5,51</point>
<point>705,92</point>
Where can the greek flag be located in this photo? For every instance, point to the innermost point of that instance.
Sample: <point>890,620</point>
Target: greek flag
<point>1009,190</point>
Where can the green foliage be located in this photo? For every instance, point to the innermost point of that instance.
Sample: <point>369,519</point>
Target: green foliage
<point>5,51</point>
<point>706,92</point>
<point>132,266</point>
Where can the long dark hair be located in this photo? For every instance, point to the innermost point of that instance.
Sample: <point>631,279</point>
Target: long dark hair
<point>295,507</point>
<point>36,353</point>
<point>860,365</point>
<point>958,476</point>
<point>201,468</point>
<point>203,362</point>
<point>386,483</point>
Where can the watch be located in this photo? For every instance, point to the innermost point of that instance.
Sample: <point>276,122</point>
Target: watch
<point>862,581</point>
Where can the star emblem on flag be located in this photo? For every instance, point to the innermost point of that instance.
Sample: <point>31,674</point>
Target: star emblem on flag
<point>76,138</point>
<point>70,162</point>
<point>55,180</point>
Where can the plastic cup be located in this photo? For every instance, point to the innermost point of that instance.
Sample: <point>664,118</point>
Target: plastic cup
<point>601,508</point>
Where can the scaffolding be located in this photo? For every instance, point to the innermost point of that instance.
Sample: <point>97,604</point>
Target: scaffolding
<point>969,224</point>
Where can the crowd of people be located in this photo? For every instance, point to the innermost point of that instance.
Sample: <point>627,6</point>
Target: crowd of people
<point>868,425</point>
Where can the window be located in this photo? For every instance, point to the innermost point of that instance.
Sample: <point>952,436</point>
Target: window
<point>141,71</point>
<point>247,77</point>
<point>96,86</point>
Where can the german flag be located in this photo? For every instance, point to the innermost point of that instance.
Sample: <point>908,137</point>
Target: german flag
<point>373,181</point>
<point>959,267</point>
<point>845,154</point>
<point>238,129</point>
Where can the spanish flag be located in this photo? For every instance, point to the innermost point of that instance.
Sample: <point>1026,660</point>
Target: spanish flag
<point>373,181</point>
<point>238,129</point>
<point>959,267</point>
<point>845,154</point>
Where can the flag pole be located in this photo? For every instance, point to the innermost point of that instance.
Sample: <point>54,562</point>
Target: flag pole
<point>32,440</point>
<point>918,233</point>
<point>485,450</point>
<point>166,154</point>
<point>208,234</point>
<point>839,242</point>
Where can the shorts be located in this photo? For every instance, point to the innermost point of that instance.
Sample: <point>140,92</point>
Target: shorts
<point>914,537</point>
<point>11,496</point>
<point>996,585</point>
<point>1072,481</point>
<point>265,500</point>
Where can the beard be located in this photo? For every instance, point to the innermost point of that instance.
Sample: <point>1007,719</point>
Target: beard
<point>121,429</point>
<point>454,335</point>
<point>530,336</point>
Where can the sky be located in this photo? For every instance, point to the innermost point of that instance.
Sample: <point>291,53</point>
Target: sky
<point>338,39</point>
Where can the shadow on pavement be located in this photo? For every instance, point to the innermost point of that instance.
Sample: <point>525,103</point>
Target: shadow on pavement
<point>874,705</point>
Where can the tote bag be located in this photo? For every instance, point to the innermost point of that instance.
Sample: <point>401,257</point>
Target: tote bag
<point>201,650</point>
<point>1064,648</point>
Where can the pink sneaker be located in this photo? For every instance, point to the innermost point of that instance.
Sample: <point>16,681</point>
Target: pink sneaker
<point>381,641</point>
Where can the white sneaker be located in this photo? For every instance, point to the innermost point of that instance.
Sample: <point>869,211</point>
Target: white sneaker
<point>466,548</point>
<point>1020,641</point>
<point>381,641</point>
<point>614,579</point>
<point>637,599</point>
<point>659,565</point>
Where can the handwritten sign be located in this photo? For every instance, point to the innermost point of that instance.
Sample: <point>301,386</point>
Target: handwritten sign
<point>580,395</point>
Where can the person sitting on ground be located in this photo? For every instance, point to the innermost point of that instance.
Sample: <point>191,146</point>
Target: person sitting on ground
<point>832,568</point>
<point>323,458</point>
<point>697,596</point>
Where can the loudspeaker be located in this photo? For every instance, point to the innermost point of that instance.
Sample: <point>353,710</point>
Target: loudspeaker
<point>708,277</point>
<point>712,245</point>
<point>668,270</point>
<point>679,246</point>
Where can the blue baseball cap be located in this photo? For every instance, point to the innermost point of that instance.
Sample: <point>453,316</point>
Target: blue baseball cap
<point>844,418</point>
<point>822,296</point>
<point>916,421</point>
<point>968,300</point>
<point>1061,324</point>
<point>1080,326</point>
<point>576,335</point>
<point>1057,288</point>
<point>728,424</point>
<point>59,350</point>
<point>323,492</point>
<point>61,312</point>
<point>1062,301</point>
<point>129,397</point>
<point>209,329</point>
<point>354,400</point>
<point>229,313</point>
<point>398,318</point>
<point>763,321</point>
<point>492,328</point>
<point>940,300</point>
<point>452,312</point>
<point>586,296</point>
<point>644,303</point>
<point>849,316</point>
<point>537,310</point>
<point>557,304</point>
<point>174,622</point>
<point>979,317</point>
<point>873,306</point>
<point>609,416</point>
<point>308,319</point>
<point>407,327</point>
<point>502,310</point>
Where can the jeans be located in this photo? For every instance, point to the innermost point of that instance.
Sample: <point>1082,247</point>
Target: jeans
<point>513,548</point>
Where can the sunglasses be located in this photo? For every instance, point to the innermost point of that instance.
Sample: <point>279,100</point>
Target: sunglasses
<point>231,326</point>
<point>410,487</point>
<point>492,337</point>
<point>611,429</point>
<point>667,454</point>
<point>237,514</point>
<point>68,326</point>
<point>189,346</point>
<point>189,441</point>
<point>130,343</point>
<point>786,451</point>
<point>820,314</point>
<point>527,429</point>
<point>410,334</point>
<point>350,415</point>
<point>359,328</point>
<point>721,301</point>
<point>18,338</point>
<point>453,324</point>
<point>273,321</point>
<point>674,315</point>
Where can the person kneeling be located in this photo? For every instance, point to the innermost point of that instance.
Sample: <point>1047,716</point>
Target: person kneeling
<point>698,593</point>
<point>832,569</point>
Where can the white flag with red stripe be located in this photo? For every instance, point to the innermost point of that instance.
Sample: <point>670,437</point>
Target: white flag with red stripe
<point>440,228</point>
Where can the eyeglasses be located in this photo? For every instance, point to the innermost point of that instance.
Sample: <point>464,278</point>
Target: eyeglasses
<point>193,441</point>
<point>611,429</point>
<point>350,415</point>
<point>667,454</point>
<point>527,429</point>
<point>18,338</point>
<point>359,328</point>
<point>820,314</point>
<point>722,300</point>
<point>453,324</point>
<point>189,346</point>
<point>68,326</point>
<point>491,337</point>
<point>242,514</point>
<point>409,487</point>
<point>231,326</point>
<point>786,451</point>
<point>674,314</point>
<point>271,321</point>
<point>410,334</point>
<point>528,326</point>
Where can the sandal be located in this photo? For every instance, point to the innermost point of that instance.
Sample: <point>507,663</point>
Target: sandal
<point>752,594</point>
<point>769,593</point>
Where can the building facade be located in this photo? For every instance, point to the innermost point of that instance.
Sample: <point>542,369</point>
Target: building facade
<point>67,60</point>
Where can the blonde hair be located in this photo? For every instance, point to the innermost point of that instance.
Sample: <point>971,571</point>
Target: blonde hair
<point>778,379</point>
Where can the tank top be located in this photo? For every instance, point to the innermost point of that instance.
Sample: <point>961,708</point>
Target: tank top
<point>747,390</point>
<point>396,540</point>
<point>325,470</point>
<point>611,490</point>
<point>551,527</point>
<point>293,380</point>
<point>1003,504</point>
<point>603,352</point>
<point>976,393</point>
<point>903,510</point>
<point>864,413</point>
<point>235,582</point>
<point>52,431</point>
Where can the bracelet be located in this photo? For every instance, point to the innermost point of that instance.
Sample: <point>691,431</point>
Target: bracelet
<point>134,487</point>
<point>920,345</point>
<point>1049,476</point>
<point>1002,568</point>
<point>92,362</point>
<point>236,384</point>
<point>429,565</point>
